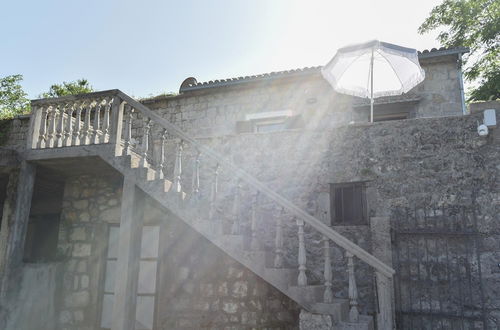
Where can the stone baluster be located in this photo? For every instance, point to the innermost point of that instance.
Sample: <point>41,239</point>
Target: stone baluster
<point>87,130</point>
<point>105,121</point>
<point>353,289</point>
<point>178,168</point>
<point>161,161</point>
<point>327,272</point>
<point>52,126</point>
<point>235,212</point>
<point>43,129</point>
<point>195,184</point>
<point>97,127</point>
<point>68,133</point>
<point>278,241</point>
<point>78,124</point>
<point>127,147</point>
<point>302,278</point>
<point>254,243</point>
<point>60,127</point>
<point>145,142</point>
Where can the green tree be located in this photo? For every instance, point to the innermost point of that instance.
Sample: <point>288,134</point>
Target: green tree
<point>13,100</point>
<point>81,86</point>
<point>474,24</point>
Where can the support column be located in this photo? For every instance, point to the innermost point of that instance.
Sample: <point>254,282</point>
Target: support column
<point>14,224</point>
<point>127,268</point>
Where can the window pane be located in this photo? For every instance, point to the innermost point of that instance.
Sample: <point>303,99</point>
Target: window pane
<point>107,310</point>
<point>144,312</point>
<point>270,127</point>
<point>147,277</point>
<point>114,232</point>
<point>357,204</point>
<point>339,208</point>
<point>109,281</point>
<point>348,194</point>
<point>149,243</point>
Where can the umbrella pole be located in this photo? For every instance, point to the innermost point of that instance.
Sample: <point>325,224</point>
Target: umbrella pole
<point>371,89</point>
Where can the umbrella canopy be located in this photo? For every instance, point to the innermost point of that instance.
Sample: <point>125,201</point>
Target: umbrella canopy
<point>374,69</point>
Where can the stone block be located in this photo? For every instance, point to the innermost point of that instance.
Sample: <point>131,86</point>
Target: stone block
<point>81,250</point>
<point>77,299</point>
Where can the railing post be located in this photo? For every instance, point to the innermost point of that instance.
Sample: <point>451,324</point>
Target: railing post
<point>127,148</point>
<point>327,273</point>
<point>116,124</point>
<point>178,168</point>
<point>254,243</point>
<point>60,127</point>
<point>353,289</point>
<point>235,213</point>
<point>278,240</point>
<point>37,130</point>
<point>87,129</point>
<point>145,142</point>
<point>52,112</point>
<point>161,165</point>
<point>78,124</point>
<point>385,318</point>
<point>105,123</point>
<point>302,279</point>
<point>195,185</point>
<point>97,126</point>
<point>68,134</point>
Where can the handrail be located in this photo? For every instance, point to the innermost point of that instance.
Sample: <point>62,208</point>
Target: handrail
<point>249,179</point>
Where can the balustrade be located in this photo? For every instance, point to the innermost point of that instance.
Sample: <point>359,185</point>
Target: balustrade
<point>98,118</point>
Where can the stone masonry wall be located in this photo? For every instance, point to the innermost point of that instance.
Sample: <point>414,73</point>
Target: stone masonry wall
<point>89,205</point>
<point>203,288</point>
<point>210,290</point>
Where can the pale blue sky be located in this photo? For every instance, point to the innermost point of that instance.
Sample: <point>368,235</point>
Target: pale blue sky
<point>149,47</point>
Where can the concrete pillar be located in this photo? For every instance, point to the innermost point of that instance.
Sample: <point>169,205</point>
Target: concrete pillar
<point>127,269</point>
<point>15,221</point>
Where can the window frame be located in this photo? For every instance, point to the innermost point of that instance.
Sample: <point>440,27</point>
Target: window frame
<point>334,218</point>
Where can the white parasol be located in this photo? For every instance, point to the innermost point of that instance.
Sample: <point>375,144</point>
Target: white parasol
<point>374,69</point>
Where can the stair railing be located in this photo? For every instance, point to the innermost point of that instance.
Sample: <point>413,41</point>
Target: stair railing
<point>107,118</point>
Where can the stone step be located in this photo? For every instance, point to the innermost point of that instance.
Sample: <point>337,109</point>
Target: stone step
<point>338,309</point>
<point>365,322</point>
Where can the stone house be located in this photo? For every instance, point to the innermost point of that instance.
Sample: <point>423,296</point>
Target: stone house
<point>262,202</point>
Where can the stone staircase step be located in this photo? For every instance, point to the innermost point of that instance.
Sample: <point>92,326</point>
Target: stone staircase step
<point>338,309</point>
<point>365,322</point>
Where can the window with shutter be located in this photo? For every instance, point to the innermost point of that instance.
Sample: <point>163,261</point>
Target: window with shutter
<point>348,203</point>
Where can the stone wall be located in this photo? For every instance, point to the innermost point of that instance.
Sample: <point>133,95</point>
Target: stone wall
<point>200,287</point>
<point>203,288</point>
<point>215,111</point>
<point>90,204</point>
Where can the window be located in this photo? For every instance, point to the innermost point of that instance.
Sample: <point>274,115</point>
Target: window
<point>269,122</point>
<point>348,203</point>
<point>41,238</point>
<point>109,277</point>
<point>146,286</point>
<point>42,233</point>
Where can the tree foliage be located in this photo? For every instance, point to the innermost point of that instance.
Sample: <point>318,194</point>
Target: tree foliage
<point>80,86</point>
<point>474,24</point>
<point>13,100</point>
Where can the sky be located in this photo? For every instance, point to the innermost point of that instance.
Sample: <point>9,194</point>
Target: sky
<point>149,47</point>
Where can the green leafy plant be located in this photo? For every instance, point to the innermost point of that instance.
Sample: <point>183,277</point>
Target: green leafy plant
<point>474,24</point>
<point>13,99</point>
<point>80,86</point>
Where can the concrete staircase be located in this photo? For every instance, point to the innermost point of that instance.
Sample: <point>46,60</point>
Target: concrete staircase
<point>101,126</point>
